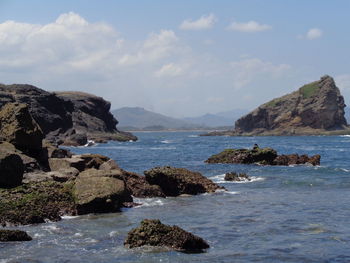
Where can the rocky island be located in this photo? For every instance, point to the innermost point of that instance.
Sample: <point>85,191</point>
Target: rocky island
<point>314,109</point>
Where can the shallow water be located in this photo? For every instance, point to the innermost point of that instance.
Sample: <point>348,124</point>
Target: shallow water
<point>286,214</point>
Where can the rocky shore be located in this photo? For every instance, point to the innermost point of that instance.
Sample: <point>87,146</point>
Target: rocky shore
<point>40,182</point>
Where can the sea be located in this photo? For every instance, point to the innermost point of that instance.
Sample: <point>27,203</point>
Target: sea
<point>295,213</point>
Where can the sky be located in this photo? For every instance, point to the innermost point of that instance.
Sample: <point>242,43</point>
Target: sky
<point>179,58</point>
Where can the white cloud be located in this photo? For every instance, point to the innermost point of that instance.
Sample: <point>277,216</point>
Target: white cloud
<point>68,42</point>
<point>170,69</point>
<point>249,27</point>
<point>246,70</point>
<point>156,47</point>
<point>314,33</point>
<point>203,23</point>
<point>72,53</point>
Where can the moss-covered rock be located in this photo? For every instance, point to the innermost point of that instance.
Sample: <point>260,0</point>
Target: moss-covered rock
<point>176,181</point>
<point>13,235</point>
<point>154,233</point>
<point>36,202</point>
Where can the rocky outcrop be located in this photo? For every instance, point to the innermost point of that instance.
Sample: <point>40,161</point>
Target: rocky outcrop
<point>237,177</point>
<point>13,235</point>
<point>262,156</point>
<point>176,181</point>
<point>154,233</point>
<point>314,108</point>
<point>70,117</point>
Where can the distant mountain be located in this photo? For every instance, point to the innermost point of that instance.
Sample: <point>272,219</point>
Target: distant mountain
<point>225,118</point>
<point>138,118</point>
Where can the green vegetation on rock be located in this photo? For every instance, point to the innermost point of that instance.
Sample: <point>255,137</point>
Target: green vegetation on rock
<point>309,90</point>
<point>35,202</point>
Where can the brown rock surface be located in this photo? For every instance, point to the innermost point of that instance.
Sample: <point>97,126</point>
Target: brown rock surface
<point>19,128</point>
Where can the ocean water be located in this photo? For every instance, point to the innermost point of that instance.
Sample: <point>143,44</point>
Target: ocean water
<point>286,214</point>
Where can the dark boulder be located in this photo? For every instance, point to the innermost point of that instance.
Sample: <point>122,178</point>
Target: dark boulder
<point>11,169</point>
<point>237,177</point>
<point>139,187</point>
<point>13,235</point>
<point>245,156</point>
<point>176,181</point>
<point>292,159</point>
<point>154,233</point>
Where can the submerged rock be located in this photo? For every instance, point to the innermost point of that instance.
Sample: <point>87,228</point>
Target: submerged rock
<point>237,177</point>
<point>154,233</point>
<point>262,156</point>
<point>13,235</point>
<point>176,181</point>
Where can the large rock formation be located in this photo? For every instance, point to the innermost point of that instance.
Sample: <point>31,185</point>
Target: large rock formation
<point>315,108</point>
<point>66,116</point>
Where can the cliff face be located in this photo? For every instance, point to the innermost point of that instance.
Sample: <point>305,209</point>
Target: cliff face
<point>315,107</point>
<point>64,115</point>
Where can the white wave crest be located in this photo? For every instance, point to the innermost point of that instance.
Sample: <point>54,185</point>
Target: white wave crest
<point>223,191</point>
<point>220,179</point>
<point>163,148</point>
<point>146,202</point>
<point>69,217</point>
<point>193,136</point>
<point>166,141</point>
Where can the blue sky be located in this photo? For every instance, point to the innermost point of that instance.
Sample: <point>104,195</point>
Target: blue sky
<point>180,58</point>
